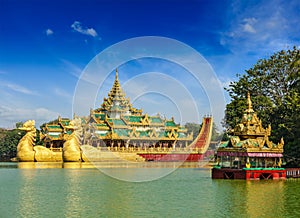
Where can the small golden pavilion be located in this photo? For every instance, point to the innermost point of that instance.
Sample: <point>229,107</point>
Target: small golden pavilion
<point>249,154</point>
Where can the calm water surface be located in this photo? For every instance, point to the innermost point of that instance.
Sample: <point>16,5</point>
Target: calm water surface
<point>186,192</point>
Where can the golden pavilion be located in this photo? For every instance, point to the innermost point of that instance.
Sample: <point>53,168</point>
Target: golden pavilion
<point>249,154</point>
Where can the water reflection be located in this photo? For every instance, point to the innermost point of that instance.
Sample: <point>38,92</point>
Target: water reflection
<point>265,198</point>
<point>39,165</point>
<point>73,191</point>
<point>125,171</point>
<point>27,195</point>
<point>292,196</point>
<point>101,165</point>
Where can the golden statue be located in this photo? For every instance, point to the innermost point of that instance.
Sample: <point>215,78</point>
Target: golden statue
<point>25,150</point>
<point>71,148</point>
<point>28,152</point>
<point>43,154</point>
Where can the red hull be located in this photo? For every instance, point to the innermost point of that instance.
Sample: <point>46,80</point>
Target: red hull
<point>172,157</point>
<point>248,174</point>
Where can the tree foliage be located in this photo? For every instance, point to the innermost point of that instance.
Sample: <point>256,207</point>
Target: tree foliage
<point>274,85</point>
<point>195,128</point>
<point>9,140</point>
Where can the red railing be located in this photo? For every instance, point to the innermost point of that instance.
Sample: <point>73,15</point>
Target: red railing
<point>203,139</point>
<point>292,172</point>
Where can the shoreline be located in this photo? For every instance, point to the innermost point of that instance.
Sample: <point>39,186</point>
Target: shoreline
<point>107,164</point>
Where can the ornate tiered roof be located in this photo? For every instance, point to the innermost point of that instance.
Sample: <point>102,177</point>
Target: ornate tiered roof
<point>250,125</point>
<point>249,135</point>
<point>118,119</point>
<point>117,103</point>
<point>55,130</point>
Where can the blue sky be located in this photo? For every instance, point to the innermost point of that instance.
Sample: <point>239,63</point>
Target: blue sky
<point>46,44</point>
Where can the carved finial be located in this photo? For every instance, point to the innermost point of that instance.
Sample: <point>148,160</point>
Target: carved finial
<point>117,74</point>
<point>249,102</point>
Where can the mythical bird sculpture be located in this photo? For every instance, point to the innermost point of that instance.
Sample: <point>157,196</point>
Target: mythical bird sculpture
<point>28,152</point>
<point>25,151</point>
<point>71,148</point>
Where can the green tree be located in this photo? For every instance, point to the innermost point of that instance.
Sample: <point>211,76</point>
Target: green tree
<point>9,140</point>
<point>195,128</point>
<point>19,124</point>
<point>275,92</point>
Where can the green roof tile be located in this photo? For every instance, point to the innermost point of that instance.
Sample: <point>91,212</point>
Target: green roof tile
<point>118,122</point>
<point>135,119</point>
<point>155,120</point>
<point>100,116</point>
<point>170,123</point>
<point>54,127</point>
<point>101,124</point>
<point>65,122</point>
<point>122,132</point>
<point>224,144</point>
<point>181,135</point>
<point>143,133</point>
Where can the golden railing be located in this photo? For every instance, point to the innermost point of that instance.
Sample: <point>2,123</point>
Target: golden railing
<point>151,150</point>
<point>143,150</point>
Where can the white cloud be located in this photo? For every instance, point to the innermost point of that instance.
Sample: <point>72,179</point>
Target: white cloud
<point>17,88</point>
<point>86,31</point>
<point>49,32</point>
<point>248,28</point>
<point>62,93</point>
<point>261,28</point>
<point>9,116</point>
<point>248,25</point>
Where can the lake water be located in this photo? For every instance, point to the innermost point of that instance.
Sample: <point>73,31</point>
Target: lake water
<point>53,191</point>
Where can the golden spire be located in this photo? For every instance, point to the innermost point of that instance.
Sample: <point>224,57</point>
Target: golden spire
<point>116,101</point>
<point>249,102</point>
<point>117,74</point>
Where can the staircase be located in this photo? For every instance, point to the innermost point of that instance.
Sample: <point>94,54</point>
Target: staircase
<point>203,139</point>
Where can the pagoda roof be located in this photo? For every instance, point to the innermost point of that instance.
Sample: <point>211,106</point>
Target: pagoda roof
<point>99,116</point>
<point>118,119</point>
<point>133,118</point>
<point>250,125</point>
<point>55,130</point>
<point>171,123</point>
<point>101,126</point>
<point>249,135</point>
<point>116,122</point>
<point>155,119</point>
<point>146,134</point>
<point>57,125</point>
<point>54,127</point>
<point>117,101</point>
